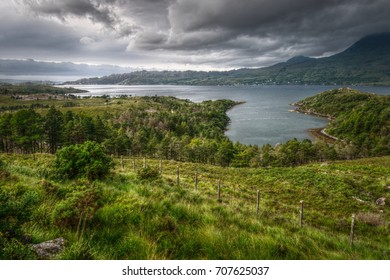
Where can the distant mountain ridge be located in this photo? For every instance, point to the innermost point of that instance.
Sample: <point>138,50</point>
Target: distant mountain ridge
<point>30,67</point>
<point>367,62</point>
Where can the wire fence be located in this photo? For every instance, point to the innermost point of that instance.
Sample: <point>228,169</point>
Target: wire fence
<point>250,200</point>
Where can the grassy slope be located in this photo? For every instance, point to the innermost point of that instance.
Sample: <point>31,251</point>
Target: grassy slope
<point>159,220</point>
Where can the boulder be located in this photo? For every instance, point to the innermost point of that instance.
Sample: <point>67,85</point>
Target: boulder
<point>49,249</point>
<point>381,201</point>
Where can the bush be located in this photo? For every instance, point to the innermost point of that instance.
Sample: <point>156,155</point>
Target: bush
<point>79,206</point>
<point>148,173</point>
<point>87,160</point>
<point>13,249</point>
<point>16,206</point>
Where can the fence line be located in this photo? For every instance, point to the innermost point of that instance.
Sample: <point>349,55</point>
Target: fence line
<point>230,196</point>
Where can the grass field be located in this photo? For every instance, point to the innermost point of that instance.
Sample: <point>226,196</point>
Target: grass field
<point>130,216</point>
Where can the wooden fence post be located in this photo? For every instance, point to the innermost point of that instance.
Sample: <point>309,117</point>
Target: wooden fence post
<point>196,181</point>
<point>301,214</point>
<point>122,165</point>
<point>160,166</point>
<point>219,189</point>
<point>258,202</point>
<point>144,162</point>
<point>133,164</point>
<point>352,234</point>
<point>178,176</point>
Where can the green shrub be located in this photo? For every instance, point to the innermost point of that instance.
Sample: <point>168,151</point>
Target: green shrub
<point>16,206</point>
<point>13,249</point>
<point>86,160</point>
<point>78,207</point>
<point>148,173</point>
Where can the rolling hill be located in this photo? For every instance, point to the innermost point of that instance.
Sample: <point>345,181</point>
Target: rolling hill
<point>365,62</point>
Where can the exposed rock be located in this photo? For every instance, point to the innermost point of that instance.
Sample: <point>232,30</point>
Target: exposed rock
<point>49,249</point>
<point>360,200</point>
<point>381,201</point>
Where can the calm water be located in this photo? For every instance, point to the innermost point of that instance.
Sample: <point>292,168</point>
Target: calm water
<point>263,118</point>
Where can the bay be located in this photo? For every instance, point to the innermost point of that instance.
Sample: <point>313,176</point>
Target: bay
<point>264,118</point>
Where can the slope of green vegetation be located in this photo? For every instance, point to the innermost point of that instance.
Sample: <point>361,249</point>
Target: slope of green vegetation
<point>130,215</point>
<point>155,126</point>
<point>365,63</point>
<point>29,89</point>
<point>362,118</point>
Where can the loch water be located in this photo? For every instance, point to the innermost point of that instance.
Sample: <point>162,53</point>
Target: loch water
<point>264,117</point>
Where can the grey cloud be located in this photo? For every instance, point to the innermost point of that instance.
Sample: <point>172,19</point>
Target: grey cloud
<point>96,11</point>
<point>38,37</point>
<point>226,33</point>
<point>297,26</point>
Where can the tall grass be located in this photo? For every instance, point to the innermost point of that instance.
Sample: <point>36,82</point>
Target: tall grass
<point>138,218</point>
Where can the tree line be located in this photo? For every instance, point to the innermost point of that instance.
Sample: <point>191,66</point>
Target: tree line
<point>158,127</point>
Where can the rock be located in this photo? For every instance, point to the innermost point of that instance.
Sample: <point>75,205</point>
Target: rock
<point>381,201</point>
<point>49,249</point>
<point>360,200</point>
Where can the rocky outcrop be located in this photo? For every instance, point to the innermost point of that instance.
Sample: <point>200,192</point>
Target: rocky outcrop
<point>49,249</point>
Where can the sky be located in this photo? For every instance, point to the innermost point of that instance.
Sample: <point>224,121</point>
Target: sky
<point>185,34</point>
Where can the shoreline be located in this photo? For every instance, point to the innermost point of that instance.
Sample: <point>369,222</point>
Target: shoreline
<point>319,133</point>
<point>310,112</point>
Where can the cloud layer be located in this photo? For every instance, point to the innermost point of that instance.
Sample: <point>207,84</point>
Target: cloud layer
<point>185,34</point>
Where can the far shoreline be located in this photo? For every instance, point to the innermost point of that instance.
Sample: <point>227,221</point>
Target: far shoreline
<point>318,133</point>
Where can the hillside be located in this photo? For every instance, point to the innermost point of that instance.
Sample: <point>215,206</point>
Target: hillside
<point>363,118</point>
<point>129,216</point>
<point>34,89</point>
<point>366,62</point>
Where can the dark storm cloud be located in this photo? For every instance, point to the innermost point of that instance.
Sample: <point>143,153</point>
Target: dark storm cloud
<point>97,11</point>
<point>293,23</point>
<point>219,33</point>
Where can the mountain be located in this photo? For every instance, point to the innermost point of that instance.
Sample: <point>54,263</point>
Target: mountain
<point>365,62</point>
<point>30,67</point>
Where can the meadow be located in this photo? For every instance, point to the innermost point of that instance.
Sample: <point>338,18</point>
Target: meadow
<point>137,214</point>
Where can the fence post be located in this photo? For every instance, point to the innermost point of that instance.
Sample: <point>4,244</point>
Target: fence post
<point>178,176</point>
<point>144,162</point>
<point>122,162</point>
<point>196,181</point>
<point>133,164</point>
<point>352,235</point>
<point>301,214</point>
<point>258,202</point>
<point>160,166</point>
<point>219,189</point>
